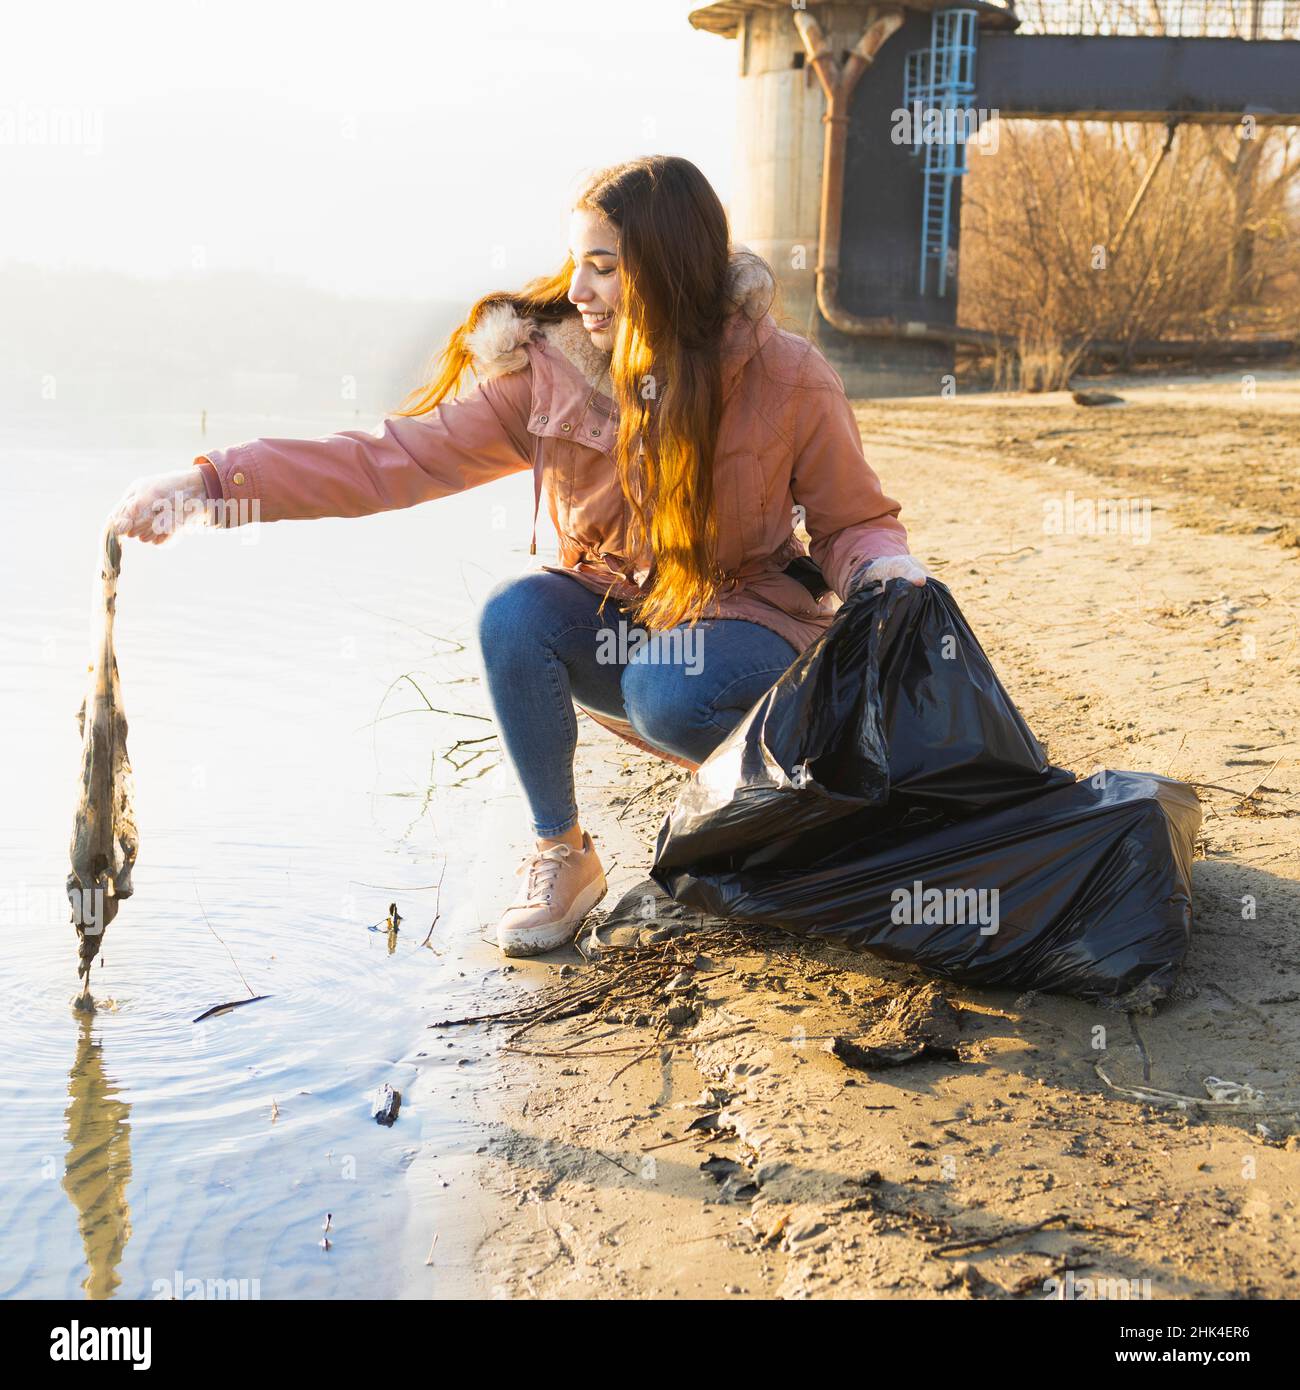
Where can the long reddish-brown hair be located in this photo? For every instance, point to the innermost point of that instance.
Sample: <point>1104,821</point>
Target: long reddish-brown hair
<point>665,368</point>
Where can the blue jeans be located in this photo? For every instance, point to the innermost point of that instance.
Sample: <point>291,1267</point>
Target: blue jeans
<point>683,690</point>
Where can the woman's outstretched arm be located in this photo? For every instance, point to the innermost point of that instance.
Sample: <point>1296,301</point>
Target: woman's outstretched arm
<point>848,516</point>
<point>406,460</point>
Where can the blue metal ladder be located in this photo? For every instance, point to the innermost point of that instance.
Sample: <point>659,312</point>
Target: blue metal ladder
<point>941,79</point>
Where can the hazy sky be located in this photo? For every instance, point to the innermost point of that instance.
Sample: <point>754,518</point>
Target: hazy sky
<point>389,147</point>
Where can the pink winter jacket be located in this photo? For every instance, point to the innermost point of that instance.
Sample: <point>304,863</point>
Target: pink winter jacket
<point>789,460</point>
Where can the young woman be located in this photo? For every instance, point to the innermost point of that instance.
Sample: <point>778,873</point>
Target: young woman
<point>692,455</point>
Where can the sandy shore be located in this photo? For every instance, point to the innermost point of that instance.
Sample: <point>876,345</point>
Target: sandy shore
<point>720,1151</point>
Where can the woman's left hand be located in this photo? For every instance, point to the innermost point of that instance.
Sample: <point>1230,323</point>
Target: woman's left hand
<point>887,567</point>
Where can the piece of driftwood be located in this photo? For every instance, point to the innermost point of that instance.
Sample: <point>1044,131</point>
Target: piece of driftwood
<point>105,840</point>
<point>226,1008</point>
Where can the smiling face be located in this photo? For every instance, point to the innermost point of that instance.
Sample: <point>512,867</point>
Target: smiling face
<point>593,244</point>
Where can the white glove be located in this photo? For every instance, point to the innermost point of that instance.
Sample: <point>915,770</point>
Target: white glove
<point>887,567</point>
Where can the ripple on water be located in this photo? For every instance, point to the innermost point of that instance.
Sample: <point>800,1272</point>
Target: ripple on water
<point>137,1142</point>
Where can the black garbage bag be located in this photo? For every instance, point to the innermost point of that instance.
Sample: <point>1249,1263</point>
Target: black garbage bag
<point>887,796</point>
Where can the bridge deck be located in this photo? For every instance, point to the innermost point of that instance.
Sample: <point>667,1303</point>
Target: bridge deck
<point>1118,78</point>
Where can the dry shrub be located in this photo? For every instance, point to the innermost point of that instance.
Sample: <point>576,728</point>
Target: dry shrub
<point>1210,252</point>
<point>1039,362</point>
<point>1060,244</point>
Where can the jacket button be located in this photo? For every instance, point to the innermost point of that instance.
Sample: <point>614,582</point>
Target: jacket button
<point>237,479</point>
<point>541,419</point>
<point>594,432</point>
<point>566,427</point>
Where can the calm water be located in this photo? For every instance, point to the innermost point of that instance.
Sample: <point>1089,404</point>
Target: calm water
<point>279,811</point>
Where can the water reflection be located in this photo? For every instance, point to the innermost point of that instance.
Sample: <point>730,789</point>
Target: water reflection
<point>98,1166</point>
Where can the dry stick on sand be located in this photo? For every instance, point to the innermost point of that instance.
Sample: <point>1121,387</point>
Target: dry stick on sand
<point>979,1242</point>
<point>641,795</point>
<point>1260,783</point>
<point>690,1040</point>
<point>1242,797</point>
<point>615,1162</point>
<point>623,977</point>
<point>1152,1095</point>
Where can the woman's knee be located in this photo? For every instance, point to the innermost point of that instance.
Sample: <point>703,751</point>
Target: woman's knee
<point>665,707</point>
<point>509,610</point>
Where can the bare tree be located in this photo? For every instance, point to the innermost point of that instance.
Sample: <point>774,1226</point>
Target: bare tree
<point>1077,231</point>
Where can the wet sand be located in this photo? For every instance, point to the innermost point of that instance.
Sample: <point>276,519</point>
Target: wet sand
<point>804,1178</point>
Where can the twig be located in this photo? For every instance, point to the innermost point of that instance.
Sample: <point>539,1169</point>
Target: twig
<point>1151,1095</point>
<point>668,1143</point>
<point>1173,685</point>
<point>1002,554</point>
<point>1141,1047</point>
<point>430,708</point>
<point>979,1242</point>
<point>577,1052</point>
<point>437,905</point>
<point>631,1064</point>
<point>389,617</point>
<point>667,777</point>
<point>1212,786</point>
<point>1260,783</point>
<point>718,1037</point>
<point>224,947</point>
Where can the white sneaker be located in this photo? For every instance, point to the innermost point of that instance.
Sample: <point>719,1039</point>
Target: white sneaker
<point>561,885</point>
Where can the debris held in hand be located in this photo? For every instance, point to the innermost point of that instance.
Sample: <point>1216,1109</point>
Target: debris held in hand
<point>105,840</point>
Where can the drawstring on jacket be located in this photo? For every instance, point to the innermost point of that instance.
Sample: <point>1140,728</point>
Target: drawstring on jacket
<point>537,491</point>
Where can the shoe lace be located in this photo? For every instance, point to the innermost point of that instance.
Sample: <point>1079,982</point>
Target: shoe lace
<point>543,869</point>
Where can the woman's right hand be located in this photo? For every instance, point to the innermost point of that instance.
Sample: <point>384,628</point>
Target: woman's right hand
<point>153,508</point>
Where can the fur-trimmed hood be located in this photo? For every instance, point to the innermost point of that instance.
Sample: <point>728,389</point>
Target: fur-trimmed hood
<point>497,343</point>
<point>787,445</point>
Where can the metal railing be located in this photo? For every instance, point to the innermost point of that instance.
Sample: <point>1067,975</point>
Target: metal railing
<point>1186,19</point>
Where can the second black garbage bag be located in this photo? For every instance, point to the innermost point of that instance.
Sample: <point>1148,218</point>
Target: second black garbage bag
<point>886,795</point>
